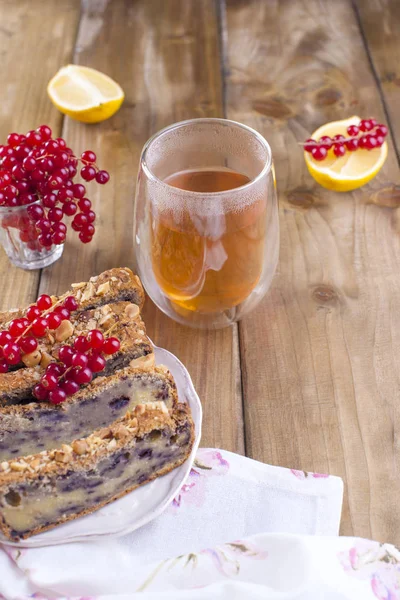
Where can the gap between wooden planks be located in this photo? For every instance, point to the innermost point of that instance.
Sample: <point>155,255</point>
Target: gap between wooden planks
<point>166,58</point>
<point>320,369</point>
<point>28,60</point>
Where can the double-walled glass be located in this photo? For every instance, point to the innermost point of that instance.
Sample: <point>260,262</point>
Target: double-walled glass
<point>206,254</point>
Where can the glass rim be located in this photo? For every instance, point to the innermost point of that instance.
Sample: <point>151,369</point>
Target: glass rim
<point>19,207</point>
<point>150,175</point>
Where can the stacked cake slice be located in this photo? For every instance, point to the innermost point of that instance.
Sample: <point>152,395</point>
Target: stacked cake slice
<point>125,428</point>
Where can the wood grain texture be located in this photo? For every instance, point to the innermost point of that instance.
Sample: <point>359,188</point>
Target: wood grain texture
<point>165,56</point>
<point>380,24</point>
<point>36,38</point>
<point>320,357</point>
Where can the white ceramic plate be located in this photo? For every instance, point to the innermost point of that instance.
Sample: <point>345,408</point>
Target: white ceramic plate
<point>142,505</point>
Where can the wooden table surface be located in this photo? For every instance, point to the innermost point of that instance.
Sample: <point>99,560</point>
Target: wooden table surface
<point>310,379</point>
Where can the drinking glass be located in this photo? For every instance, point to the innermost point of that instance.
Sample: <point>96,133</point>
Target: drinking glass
<point>19,240</point>
<point>206,224</point>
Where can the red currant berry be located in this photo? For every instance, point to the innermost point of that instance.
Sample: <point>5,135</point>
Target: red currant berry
<point>40,392</point>
<point>57,237</point>
<point>97,363</point>
<point>339,150</point>
<point>80,360</point>
<point>55,369</point>
<point>88,230</point>
<point>12,353</point>
<point>51,146</point>
<point>19,173</point>
<point>9,162</point>
<point>371,142</point>
<point>81,344</point>
<point>38,175</point>
<point>13,202</point>
<point>72,171</point>
<point>55,182</point>
<point>319,153</point>
<point>380,140</point>
<point>39,327</point>
<point>82,376</point>
<point>351,145</point>
<point>26,199</point>
<point>381,130</point>
<point>60,227</point>
<point>63,173</point>
<point>85,239</point>
<point>49,200</point>
<point>79,221</point>
<point>44,302</point>
<point>365,125</point>
<point>63,312</point>
<point>88,156</point>
<point>84,205</point>
<point>65,194</point>
<point>102,177</point>
<point>33,313</point>
<point>6,179</point>
<point>10,192</point>
<point>3,366</point>
<point>61,142</point>
<point>79,190</point>
<point>49,381</point>
<point>16,328</point>
<point>57,396</point>
<point>61,159</point>
<point>13,139</point>
<point>45,240</point>
<point>88,173</point>
<point>70,303</point>
<point>95,339</point>
<point>338,138</point>
<point>111,345</point>
<point>55,214</point>
<point>54,320</point>
<point>373,122</point>
<point>91,216</point>
<point>33,138</point>
<point>65,354</point>
<point>43,225</point>
<point>70,387</point>
<point>308,146</point>
<point>47,164</point>
<point>45,132</point>
<point>5,338</point>
<point>28,344</point>
<point>35,212</point>
<point>325,142</point>
<point>362,141</point>
<point>22,186</point>
<point>353,130</point>
<point>69,208</point>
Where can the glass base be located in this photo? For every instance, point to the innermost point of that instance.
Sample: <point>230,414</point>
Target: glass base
<point>33,259</point>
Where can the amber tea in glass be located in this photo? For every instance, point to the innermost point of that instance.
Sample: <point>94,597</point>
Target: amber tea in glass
<point>206,227</point>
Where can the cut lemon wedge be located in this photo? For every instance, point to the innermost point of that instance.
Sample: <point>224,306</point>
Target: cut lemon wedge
<point>350,171</point>
<point>85,94</point>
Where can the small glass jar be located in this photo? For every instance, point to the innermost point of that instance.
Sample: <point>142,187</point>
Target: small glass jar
<point>19,240</point>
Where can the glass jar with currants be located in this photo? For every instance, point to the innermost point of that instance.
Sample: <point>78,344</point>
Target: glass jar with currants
<point>38,192</point>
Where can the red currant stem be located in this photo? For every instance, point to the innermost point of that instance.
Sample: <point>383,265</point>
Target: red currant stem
<point>317,144</point>
<point>44,313</point>
<point>111,328</point>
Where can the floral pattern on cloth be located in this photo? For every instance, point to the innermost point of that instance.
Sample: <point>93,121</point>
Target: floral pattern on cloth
<point>380,563</point>
<point>207,463</point>
<point>224,560</point>
<point>306,474</point>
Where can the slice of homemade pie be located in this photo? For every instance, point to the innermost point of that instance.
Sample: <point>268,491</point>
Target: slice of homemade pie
<point>31,428</point>
<point>121,318</point>
<point>41,491</point>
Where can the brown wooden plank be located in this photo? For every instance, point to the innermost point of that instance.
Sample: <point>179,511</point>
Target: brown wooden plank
<point>36,38</point>
<point>380,25</point>
<point>320,355</point>
<point>165,56</point>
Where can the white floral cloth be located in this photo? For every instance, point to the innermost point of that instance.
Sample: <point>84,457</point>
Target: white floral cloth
<point>208,545</point>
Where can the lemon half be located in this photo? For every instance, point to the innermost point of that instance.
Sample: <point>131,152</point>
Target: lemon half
<point>350,171</point>
<point>85,94</point>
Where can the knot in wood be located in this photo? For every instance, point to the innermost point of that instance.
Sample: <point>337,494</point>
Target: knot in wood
<point>325,294</point>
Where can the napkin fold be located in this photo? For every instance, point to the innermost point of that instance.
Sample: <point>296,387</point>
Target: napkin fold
<point>209,536</point>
